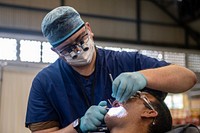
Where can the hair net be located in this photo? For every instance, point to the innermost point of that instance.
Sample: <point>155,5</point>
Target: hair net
<point>60,24</point>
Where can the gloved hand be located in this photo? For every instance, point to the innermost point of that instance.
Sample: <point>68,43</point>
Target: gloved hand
<point>93,117</point>
<point>126,84</point>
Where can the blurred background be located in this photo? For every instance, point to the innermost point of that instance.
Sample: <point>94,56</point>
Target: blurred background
<point>164,29</point>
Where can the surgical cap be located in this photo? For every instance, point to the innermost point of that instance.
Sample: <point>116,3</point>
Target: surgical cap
<point>60,24</point>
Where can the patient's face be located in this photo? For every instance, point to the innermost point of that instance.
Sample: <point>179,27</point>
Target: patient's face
<point>127,112</point>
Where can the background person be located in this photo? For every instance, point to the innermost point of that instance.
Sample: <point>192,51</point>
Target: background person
<point>65,94</point>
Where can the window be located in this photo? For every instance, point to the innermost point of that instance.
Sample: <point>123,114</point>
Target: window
<point>8,49</point>
<point>113,48</point>
<point>174,101</point>
<point>129,50</point>
<point>48,56</point>
<point>194,62</point>
<point>36,51</point>
<point>175,58</point>
<point>154,54</point>
<point>30,51</point>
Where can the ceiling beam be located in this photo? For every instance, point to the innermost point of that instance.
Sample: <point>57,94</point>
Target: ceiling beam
<point>189,31</point>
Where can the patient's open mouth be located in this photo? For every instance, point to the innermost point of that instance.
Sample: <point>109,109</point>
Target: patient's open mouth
<point>115,104</point>
<point>117,110</point>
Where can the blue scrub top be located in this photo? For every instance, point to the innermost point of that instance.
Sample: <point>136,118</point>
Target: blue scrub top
<point>59,93</point>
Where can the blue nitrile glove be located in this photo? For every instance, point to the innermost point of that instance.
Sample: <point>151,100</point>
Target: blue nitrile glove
<point>93,117</point>
<point>126,84</point>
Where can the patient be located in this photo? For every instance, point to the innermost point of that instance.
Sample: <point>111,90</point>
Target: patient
<point>142,113</point>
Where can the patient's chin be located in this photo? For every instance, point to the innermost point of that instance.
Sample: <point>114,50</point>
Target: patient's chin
<point>110,121</point>
<point>113,121</point>
<point>107,118</point>
<point>115,116</point>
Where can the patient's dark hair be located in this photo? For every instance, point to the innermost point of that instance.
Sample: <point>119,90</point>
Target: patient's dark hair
<point>163,121</point>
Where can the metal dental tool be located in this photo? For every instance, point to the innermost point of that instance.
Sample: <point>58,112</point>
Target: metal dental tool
<point>111,78</point>
<point>109,100</point>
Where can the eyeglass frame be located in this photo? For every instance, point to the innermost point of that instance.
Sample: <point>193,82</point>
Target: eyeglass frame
<point>74,45</point>
<point>146,100</point>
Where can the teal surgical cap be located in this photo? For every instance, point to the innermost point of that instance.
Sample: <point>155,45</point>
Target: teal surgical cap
<point>60,24</point>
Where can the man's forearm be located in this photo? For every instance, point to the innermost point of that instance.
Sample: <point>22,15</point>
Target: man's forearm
<point>68,129</point>
<point>172,78</point>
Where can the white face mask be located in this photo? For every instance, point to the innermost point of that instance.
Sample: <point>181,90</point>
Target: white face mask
<point>84,57</point>
<point>117,112</point>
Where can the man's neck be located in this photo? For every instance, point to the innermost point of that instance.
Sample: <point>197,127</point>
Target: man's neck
<point>86,70</point>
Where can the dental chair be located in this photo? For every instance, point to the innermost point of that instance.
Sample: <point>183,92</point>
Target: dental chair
<point>187,128</point>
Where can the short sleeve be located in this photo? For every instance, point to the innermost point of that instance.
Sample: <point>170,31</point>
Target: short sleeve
<point>39,108</point>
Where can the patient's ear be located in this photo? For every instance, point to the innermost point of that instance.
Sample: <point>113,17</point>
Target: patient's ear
<point>149,113</point>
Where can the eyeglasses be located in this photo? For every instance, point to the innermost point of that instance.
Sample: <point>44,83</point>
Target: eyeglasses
<point>147,102</point>
<point>144,98</point>
<point>76,47</point>
<point>138,94</point>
